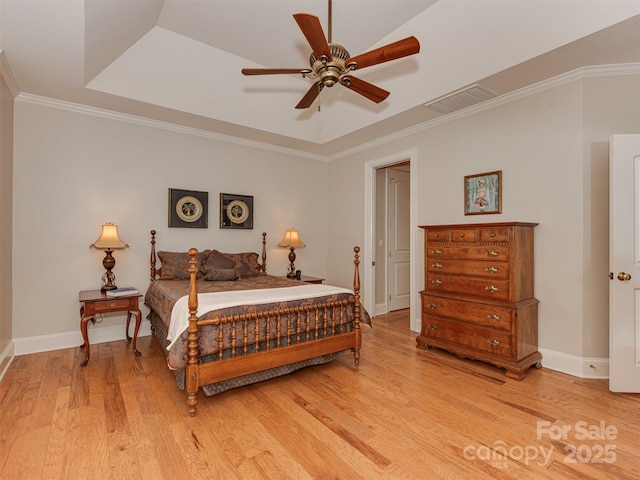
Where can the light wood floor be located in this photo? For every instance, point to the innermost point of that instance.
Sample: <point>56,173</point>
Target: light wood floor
<point>406,414</point>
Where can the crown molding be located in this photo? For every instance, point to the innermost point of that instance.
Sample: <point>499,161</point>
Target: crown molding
<point>7,75</point>
<point>578,74</point>
<point>124,117</point>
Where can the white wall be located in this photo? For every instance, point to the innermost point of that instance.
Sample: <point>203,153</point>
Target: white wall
<point>6,189</point>
<point>73,172</point>
<point>550,148</point>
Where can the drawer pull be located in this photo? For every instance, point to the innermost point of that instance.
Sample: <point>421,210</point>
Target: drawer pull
<point>492,270</point>
<point>433,306</point>
<point>437,282</point>
<point>436,252</point>
<point>492,253</point>
<point>491,289</point>
<point>494,317</point>
<point>433,326</point>
<point>494,342</point>
<point>462,235</point>
<point>492,234</point>
<point>436,265</point>
<point>112,304</point>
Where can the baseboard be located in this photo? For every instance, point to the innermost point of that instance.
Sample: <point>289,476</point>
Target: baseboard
<point>6,357</point>
<point>381,309</point>
<point>582,367</point>
<point>58,341</point>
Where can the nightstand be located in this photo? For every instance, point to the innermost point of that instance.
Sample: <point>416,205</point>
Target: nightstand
<point>96,302</point>
<point>306,279</point>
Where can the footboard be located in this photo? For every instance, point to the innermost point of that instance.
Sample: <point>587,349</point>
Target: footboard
<point>271,338</point>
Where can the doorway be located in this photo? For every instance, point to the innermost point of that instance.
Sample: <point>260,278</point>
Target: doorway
<point>392,238</point>
<point>369,267</point>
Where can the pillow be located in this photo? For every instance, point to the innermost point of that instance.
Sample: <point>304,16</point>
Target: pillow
<point>245,264</point>
<point>217,260</point>
<point>220,274</point>
<point>218,267</point>
<point>175,265</point>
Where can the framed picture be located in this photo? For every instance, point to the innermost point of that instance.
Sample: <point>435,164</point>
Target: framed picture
<point>236,211</point>
<point>188,208</point>
<point>483,193</point>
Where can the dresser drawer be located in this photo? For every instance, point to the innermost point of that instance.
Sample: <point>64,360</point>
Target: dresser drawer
<point>475,268</point>
<point>463,234</point>
<point>478,287</point>
<point>481,339</point>
<point>438,235</point>
<point>470,252</point>
<point>469,312</point>
<point>497,234</point>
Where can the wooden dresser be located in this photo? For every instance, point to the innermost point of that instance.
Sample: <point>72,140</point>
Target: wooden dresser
<point>478,299</point>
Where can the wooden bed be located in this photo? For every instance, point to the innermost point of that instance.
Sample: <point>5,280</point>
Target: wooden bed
<point>263,337</point>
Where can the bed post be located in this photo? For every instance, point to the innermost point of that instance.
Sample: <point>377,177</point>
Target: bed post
<point>264,252</point>
<point>356,305</point>
<point>191,375</point>
<point>153,255</point>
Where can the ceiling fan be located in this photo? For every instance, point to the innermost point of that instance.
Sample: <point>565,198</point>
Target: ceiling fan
<point>331,63</point>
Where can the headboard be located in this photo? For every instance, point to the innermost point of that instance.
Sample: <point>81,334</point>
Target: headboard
<point>156,272</point>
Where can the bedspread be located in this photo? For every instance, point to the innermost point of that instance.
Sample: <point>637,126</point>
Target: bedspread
<point>242,337</point>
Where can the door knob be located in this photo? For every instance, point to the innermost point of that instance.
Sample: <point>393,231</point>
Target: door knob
<point>623,276</point>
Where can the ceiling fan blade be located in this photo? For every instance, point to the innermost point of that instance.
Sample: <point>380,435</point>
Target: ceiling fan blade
<point>366,89</point>
<point>273,71</point>
<point>310,96</point>
<point>392,51</point>
<point>312,30</point>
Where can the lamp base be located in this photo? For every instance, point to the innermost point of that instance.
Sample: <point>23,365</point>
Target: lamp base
<point>109,278</point>
<point>291,275</point>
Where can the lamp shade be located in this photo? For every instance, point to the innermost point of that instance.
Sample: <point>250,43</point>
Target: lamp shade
<point>291,239</point>
<point>109,238</point>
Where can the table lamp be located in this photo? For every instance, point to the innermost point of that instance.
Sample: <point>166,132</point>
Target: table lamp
<point>292,241</point>
<point>108,241</point>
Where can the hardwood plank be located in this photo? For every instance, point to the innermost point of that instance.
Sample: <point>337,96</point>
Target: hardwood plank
<point>404,414</point>
<point>55,448</point>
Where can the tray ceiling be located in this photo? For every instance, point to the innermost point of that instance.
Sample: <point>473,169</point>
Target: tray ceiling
<point>179,61</point>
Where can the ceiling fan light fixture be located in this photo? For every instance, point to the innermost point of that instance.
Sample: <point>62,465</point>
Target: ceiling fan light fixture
<point>337,52</point>
<point>329,71</point>
<point>331,63</point>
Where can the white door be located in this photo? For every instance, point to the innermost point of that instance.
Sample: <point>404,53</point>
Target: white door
<point>399,287</point>
<point>624,263</point>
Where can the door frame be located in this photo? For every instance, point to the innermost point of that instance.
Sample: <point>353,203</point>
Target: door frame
<point>370,167</point>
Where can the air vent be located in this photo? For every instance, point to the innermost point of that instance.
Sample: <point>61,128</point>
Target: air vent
<point>461,99</point>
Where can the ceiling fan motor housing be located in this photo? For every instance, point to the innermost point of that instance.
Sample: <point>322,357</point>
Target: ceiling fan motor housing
<point>329,71</point>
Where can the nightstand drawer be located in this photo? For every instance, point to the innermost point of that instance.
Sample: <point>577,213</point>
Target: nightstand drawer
<point>115,304</point>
